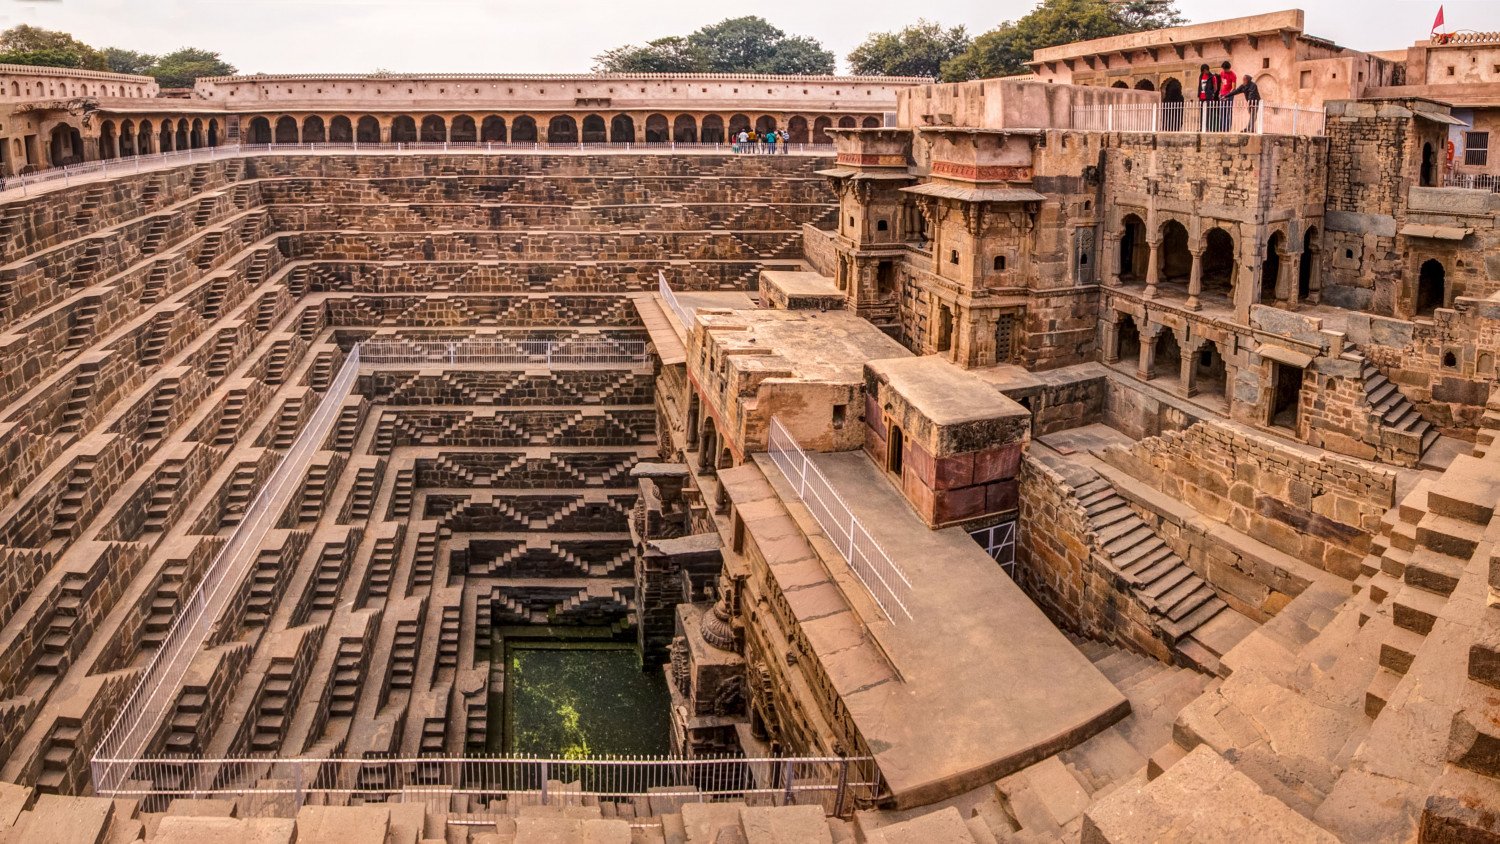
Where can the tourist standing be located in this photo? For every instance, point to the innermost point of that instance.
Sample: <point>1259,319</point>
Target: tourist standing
<point>1227,83</point>
<point>1252,100</point>
<point>1208,96</point>
<point>742,141</point>
<point>771,139</point>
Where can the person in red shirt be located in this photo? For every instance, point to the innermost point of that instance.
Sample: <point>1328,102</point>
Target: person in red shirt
<point>1227,83</point>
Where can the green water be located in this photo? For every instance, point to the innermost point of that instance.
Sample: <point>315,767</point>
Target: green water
<point>576,699</point>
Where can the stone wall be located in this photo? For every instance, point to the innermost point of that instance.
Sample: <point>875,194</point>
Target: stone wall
<point>818,250</point>
<point>1322,510</point>
<point>1057,567</point>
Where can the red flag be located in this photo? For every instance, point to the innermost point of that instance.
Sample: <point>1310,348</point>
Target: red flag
<point>1437,23</point>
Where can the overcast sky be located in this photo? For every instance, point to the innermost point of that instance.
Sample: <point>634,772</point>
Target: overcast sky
<point>310,36</point>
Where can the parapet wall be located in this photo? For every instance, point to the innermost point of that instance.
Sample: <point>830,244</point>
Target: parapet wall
<point>1322,510</point>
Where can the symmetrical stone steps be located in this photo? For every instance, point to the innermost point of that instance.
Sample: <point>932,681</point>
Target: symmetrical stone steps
<point>1393,409</point>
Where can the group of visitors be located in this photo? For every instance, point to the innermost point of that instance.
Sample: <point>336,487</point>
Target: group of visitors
<point>1216,93</point>
<point>761,143</point>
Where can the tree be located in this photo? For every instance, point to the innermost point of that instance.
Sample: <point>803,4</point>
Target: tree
<point>918,50</point>
<point>664,55</point>
<point>736,45</point>
<point>1004,51</point>
<point>32,45</point>
<point>128,61</point>
<point>181,68</point>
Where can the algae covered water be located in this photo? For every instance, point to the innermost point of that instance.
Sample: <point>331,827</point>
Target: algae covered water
<point>580,699</point>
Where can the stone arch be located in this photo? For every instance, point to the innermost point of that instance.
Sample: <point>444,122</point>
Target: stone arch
<point>492,130</point>
<point>871,122</point>
<point>127,138</point>
<point>260,130</point>
<point>685,129</point>
<point>796,129</point>
<point>594,131</point>
<point>621,129</point>
<point>1127,338</point>
<point>434,129</point>
<point>1209,372</point>
<point>1121,84</point>
<point>847,122</point>
<point>1175,261</point>
<point>66,145</point>
<point>562,129</point>
<point>738,123</point>
<point>1145,85</point>
<point>213,132</point>
<point>1432,287</point>
<point>286,130</point>
<point>1166,359</point>
<point>340,130</point>
<point>463,130</point>
<point>107,139</point>
<point>765,123</point>
<point>313,130</point>
<point>1172,105</point>
<point>523,130</point>
<point>656,129</point>
<point>183,140</point>
<point>144,147</point>
<point>367,130</point>
<point>403,129</point>
<point>821,126</point>
<point>712,131</point>
<point>1270,268</point>
<point>1134,250</point>
<point>166,134</point>
<point>1218,261</point>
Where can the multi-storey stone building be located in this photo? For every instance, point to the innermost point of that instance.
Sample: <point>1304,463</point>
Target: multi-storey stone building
<point>991,473</point>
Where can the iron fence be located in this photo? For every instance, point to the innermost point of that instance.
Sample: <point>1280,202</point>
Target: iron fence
<point>155,693</point>
<point>472,788</point>
<point>1226,116</point>
<point>1473,181</point>
<point>684,315</point>
<point>500,350</point>
<point>881,577</point>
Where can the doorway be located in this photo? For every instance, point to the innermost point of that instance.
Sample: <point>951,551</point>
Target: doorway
<point>1286,390</point>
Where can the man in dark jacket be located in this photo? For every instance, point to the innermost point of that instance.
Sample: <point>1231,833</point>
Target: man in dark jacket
<point>1252,99</point>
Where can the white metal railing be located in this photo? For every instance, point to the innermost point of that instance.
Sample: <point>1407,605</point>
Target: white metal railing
<point>155,693</point>
<point>602,350</point>
<point>1228,116</point>
<point>1473,181</point>
<point>882,578</point>
<point>279,787</point>
<point>684,314</point>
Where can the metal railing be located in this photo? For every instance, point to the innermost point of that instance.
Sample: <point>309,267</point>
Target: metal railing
<point>1473,181</point>
<point>1227,116</point>
<point>465,787</point>
<point>882,578</point>
<point>669,296</point>
<point>155,694</point>
<point>507,351</point>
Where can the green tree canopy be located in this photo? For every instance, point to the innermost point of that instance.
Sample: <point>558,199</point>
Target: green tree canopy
<point>918,50</point>
<point>181,68</point>
<point>1004,51</point>
<point>736,45</point>
<point>32,45</point>
<point>128,61</point>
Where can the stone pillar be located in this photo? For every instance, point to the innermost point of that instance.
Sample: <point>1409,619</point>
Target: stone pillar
<point>1110,337</point>
<point>1112,259</point>
<point>640,128</point>
<point>1188,375</point>
<point>1153,267</point>
<point>1195,280</point>
<point>1314,284</point>
<point>1291,268</point>
<point>1147,360</point>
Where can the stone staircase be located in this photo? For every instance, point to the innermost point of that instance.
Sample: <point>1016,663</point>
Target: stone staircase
<point>1392,410</point>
